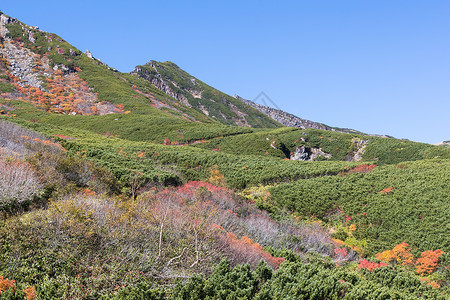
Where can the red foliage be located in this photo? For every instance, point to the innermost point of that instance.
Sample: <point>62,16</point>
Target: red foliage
<point>365,264</point>
<point>348,219</point>
<point>341,254</point>
<point>64,93</point>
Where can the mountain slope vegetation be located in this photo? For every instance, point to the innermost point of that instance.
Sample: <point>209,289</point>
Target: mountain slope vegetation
<point>192,92</point>
<point>141,186</point>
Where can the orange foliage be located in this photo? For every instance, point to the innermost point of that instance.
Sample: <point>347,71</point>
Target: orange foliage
<point>352,228</point>
<point>88,192</point>
<point>360,169</point>
<point>434,284</point>
<point>338,242</point>
<point>217,227</point>
<point>30,293</point>
<point>6,284</point>
<point>387,190</point>
<point>45,142</point>
<point>428,261</point>
<point>386,256</point>
<point>65,93</point>
<point>401,253</point>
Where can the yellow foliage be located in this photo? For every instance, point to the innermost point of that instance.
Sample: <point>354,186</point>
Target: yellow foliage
<point>216,177</point>
<point>385,256</point>
<point>352,228</point>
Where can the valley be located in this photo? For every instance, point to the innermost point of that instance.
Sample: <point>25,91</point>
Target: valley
<point>154,185</point>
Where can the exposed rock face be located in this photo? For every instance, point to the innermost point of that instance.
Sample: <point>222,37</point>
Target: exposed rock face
<point>358,149</point>
<point>300,154</point>
<point>282,117</point>
<point>88,54</point>
<point>444,143</point>
<point>4,19</point>
<point>21,64</point>
<point>309,154</point>
<point>159,83</point>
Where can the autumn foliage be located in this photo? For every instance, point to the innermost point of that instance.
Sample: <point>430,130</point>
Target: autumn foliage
<point>401,254</point>
<point>428,261</point>
<point>6,284</point>
<point>359,169</point>
<point>251,250</point>
<point>365,264</point>
<point>60,92</point>
<point>387,190</point>
<point>30,293</point>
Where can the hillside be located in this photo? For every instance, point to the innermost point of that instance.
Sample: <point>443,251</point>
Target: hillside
<point>141,186</point>
<point>289,120</point>
<point>194,93</point>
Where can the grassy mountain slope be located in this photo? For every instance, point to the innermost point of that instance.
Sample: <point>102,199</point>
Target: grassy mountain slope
<point>67,87</point>
<point>177,83</point>
<point>114,189</point>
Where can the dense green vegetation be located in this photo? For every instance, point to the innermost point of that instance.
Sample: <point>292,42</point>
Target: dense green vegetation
<point>161,201</point>
<point>167,164</point>
<point>6,87</point>
<point>299,280</point>
<point>415,210</point>
<point>339,145</point>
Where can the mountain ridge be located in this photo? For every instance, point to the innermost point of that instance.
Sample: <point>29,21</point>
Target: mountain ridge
<point>192,92</point>
<point>110,188</point>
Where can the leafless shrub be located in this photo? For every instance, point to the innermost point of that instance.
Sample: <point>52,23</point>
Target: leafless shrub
<point>18,182</point>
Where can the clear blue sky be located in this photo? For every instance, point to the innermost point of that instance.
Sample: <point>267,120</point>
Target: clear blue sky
<point>376,66</point>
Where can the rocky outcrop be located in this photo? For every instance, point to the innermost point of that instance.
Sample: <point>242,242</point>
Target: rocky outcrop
<point>88,54</point>
<point>284,118</point>
<point>25,69</point>
<point>358,149</point>
<point>21,63</point>
<point>161,85</point>
<point>4,20</point>
<point>303,153</point>
<point>444,143</point>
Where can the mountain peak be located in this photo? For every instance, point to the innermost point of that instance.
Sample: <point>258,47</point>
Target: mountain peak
<point>190,91</point>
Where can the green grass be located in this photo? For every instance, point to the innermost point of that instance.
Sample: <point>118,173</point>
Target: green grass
<point>6,87</point>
